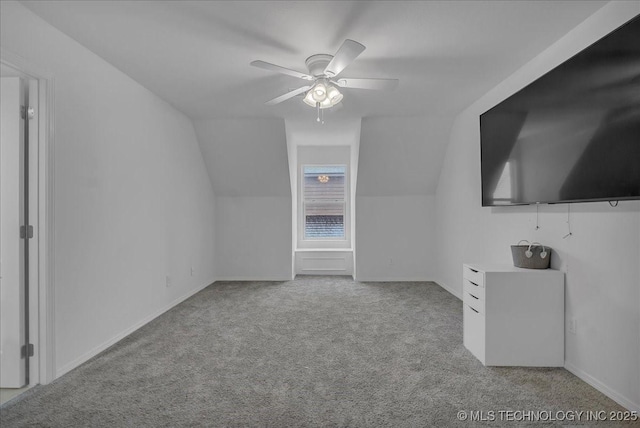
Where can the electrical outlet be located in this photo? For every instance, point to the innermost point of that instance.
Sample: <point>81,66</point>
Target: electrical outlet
<point>573,325</point>
<point>168,280</point>
<point>390,262</point>
<point>193,271</point>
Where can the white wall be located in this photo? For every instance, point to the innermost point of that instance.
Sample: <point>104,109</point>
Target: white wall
<point>600,259</point>
<point>247,162</point>
<point>395,208</point>
<point>395,238</point>
<point>253,238</point>
<point>133,202</point>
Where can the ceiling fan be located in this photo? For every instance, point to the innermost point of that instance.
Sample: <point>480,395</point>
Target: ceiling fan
<point>322,91</point>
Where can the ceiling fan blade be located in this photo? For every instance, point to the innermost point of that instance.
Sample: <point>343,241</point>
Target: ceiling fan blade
<point>278,69</point>
<point>288,95</point>
<point>345,56</point>
<point>379,84</point>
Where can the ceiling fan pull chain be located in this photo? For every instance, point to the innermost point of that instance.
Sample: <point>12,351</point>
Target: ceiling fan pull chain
<point>321,117</point>
<point>318,111</point>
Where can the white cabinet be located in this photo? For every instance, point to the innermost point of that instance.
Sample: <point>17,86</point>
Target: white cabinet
<point>514,316</point>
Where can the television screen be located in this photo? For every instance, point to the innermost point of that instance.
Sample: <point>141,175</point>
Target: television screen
<point>572,135</point>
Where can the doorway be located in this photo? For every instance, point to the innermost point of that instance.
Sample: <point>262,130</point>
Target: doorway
<point>23,298</point>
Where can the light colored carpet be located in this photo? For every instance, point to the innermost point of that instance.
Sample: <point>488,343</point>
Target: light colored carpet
<point>7,394</point>
<point>316,351</point>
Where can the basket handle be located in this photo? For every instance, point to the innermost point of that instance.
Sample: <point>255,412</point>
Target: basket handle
<point>522,240</point>
<point>543,253</point>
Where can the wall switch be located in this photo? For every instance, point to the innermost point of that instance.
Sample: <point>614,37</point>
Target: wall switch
<point>573,325</point>
<point>390,262</point>
<point>193,271</point>
<point>168,280</point>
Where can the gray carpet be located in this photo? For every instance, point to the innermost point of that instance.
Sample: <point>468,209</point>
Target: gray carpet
<point>317,351</point>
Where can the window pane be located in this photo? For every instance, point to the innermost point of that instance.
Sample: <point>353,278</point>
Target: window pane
<point>324,226</point>
<point>324,194</point>
<point>322,183</point>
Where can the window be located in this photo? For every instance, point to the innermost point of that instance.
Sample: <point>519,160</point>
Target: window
<point>324,202</point>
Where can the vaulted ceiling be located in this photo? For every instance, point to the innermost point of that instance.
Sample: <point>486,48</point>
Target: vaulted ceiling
<point>196,55</point>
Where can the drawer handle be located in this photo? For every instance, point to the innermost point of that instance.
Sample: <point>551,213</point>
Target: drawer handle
<point>474,310</point>
<point>474,296</point>
<point>473,283</point>
<point>473,270</point>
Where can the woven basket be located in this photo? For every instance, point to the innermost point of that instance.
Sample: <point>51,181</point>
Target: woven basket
<point>535,262</point>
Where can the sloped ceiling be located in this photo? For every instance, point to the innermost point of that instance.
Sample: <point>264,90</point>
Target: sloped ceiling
<point>196,55</point>
<point>400,156</point>
<point>245,157</point>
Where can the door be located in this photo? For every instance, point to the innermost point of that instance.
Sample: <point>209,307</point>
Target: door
<point>13,331</point>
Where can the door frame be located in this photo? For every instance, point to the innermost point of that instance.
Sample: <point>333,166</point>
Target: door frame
<point>42,365</point>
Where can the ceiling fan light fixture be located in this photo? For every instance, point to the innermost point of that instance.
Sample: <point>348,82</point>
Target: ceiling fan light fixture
<point>324,94</point>
<point>334,95</point>
<point>308,99</point>
<point>319,92</point>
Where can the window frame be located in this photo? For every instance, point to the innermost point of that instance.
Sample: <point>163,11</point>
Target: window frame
<point>302,207</point>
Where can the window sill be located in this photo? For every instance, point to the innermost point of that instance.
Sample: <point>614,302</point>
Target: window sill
<point>302,250</point>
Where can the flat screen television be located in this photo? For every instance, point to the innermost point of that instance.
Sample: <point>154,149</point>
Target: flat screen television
<point>573,135</point>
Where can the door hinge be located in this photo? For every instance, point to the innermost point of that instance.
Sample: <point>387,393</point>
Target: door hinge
<point>27,351</point>
<point>27,112</point>
<point>26,232</point>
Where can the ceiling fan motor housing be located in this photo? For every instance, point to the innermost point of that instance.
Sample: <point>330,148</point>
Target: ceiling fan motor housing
<point>317,63</point>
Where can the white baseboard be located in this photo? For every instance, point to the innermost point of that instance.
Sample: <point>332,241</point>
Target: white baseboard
<point>614,395</point>
<point>449,289</point>
<point>253,278</point>
<point>95,351</point>
<point>393,279</point>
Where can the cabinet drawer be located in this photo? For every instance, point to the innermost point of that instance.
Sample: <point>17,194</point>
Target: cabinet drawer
<point>474,302</point>
<point>473,288</point>
<point>473,275</point>
<point>474,332</point>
